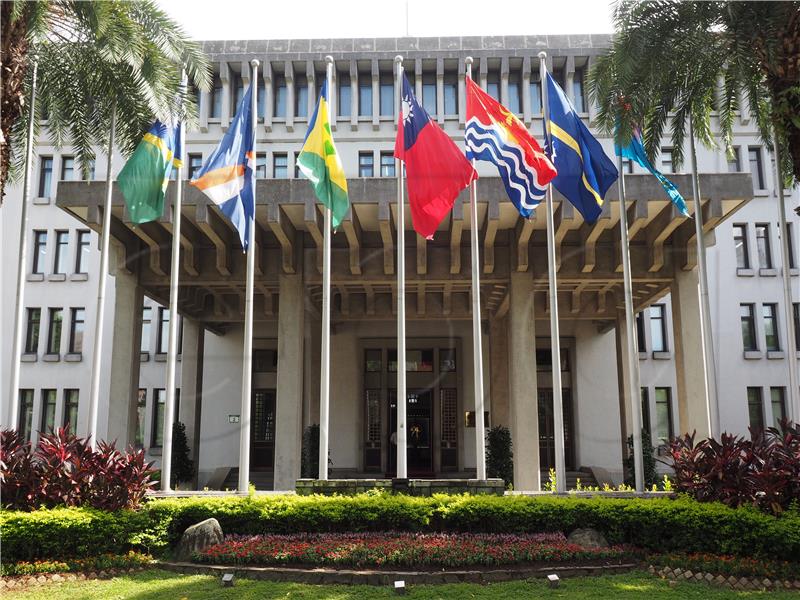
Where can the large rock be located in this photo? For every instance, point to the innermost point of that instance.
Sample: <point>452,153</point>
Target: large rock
<point>197,538</point>
<point>588,538</point>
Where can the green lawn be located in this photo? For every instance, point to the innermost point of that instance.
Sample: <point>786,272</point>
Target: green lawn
<point>157,585</point>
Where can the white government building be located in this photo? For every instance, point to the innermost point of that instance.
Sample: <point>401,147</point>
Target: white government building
<point>740,205</point>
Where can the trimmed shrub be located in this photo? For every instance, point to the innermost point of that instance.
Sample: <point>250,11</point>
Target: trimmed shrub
<point>182,465</point>
<point>648,459</point>
<point>309,453</point>
<point>499,454</point>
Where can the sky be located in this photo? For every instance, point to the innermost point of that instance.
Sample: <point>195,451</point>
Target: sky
<point>281,19</point>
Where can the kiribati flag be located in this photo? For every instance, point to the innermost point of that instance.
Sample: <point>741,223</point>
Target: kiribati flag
<point>495,135</point>
<point>436,170</point>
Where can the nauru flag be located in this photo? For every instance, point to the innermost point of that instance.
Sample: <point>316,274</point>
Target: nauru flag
<point>495,135</point>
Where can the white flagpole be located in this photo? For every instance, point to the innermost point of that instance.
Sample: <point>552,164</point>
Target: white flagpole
<point>791,345</point>
<point>707,339</point>
<point>631,351</point>
<point>325,368</point>
<point>477,344</point>
<point>94,396</point>
<point>402,459</point>
<point>555,345</point>
<point>16,352</point>
<point>247,354</point>
<point>172,355</point>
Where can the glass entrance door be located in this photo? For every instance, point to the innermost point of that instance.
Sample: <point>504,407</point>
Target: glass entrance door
<point>419,419</point>
<point>262,430</point>
<point>547,439</point>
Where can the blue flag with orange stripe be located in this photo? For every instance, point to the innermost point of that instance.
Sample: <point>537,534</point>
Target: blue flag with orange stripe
<point>584,171</point>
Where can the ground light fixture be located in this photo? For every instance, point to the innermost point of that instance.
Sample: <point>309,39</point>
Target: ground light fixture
<point>553,580</point>
<point>400,587</point>
<point>227,580</point>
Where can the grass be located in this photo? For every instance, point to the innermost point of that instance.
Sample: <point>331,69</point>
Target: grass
<point>157,585</point>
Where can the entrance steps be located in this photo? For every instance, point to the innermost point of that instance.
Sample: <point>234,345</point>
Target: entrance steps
<point>585,475</point>
<point>263,480</point>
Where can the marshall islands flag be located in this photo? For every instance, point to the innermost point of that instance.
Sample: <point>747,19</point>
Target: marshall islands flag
<point>495,135</point>
<point>227,177</point>
<point>320,163</point>
<point>143,180</point>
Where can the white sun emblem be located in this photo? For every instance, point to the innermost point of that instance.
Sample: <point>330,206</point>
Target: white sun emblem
<point>408,111</point>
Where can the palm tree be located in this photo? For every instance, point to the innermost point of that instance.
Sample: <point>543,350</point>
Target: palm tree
<point>92,57</point>
<point>670,60</point>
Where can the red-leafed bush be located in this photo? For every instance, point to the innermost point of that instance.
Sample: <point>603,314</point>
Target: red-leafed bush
<point>762,471</point>
<point>63,470</point>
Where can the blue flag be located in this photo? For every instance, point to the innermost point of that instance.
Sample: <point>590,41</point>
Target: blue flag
<point>635,151</point>
<point>584,171</point>
<point>228,176</point>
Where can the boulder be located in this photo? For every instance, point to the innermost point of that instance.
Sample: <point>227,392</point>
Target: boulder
<point>197,538</point>
<point>588,538</point>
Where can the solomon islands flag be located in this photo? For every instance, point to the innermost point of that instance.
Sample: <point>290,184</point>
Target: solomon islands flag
<point>495,135</point>
<point>584,171</point>
<point>228,177</point>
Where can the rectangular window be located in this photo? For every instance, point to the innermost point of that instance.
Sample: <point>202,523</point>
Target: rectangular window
<point>261,165</point>
<point>755,408</point>
<point>280,165</point>
<point>450,91</point>
<point>756,168</point>
<point>82,251</point>
<point>770,313</point>
<point>366,164</point>
<point>628,166</point>
<point>279,97</point>
<point>344,95</point>
<point>387,95</point>
<point>76,328</point>
<point>658,330</point>
<point>429,93</point>
<point>141,411</point>
<point>514,97</point>
<point>790,244</point>
<point>493,85</point>
<point>54,331</point>
<point>666,160</point>
<point>195,163</point>
<point>45,176</point>
<point>163,330</point>
<point>157,435</point>
<point>297,172</point>
<point>577,91</point>
<point>645,395</point>
<point>32,330</point>
<point>60,258</point>
<point>48,411</point>
<point>39,252</point>
<point>640,339</point>
<point>734,162</point>
<point>740,243</point>
<point>747,312</point>
<point>147,317</point>
<point>67,168</point>
<point>70,418</point>
<point>364,95</point>
<point>387,164</point>
<point>261,101</point>
<point>777,397</point>
<point>536,95</point>
<point>664,431</point>
<point>301,97</point>
<point>25,426</point>
<point>216,98</point>
<point>763,245</point>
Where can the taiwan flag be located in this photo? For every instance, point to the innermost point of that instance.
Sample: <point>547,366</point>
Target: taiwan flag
<point>436,170</point>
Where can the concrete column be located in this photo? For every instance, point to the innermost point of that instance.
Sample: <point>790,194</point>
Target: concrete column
<point>687,329</point>
<point>126,345</point>
<point>625,417</point>
<point>523,390</point>
<point>289,403</point>
<point>192,383</point>
<point>498,371</point>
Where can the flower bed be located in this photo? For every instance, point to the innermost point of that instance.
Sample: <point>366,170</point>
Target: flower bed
<point>104,562</point>
<point>728,565</point>
<point>404,550</point>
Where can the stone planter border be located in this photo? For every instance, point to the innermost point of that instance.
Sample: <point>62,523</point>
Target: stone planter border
<point>730,581</point>
<point>411,487</point>
<point>17,582</point>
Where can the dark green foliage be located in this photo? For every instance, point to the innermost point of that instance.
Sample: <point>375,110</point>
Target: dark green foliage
<point>182,465</point>
<point>309,458</point>
<point>648,458</point>
<point>499,454</point>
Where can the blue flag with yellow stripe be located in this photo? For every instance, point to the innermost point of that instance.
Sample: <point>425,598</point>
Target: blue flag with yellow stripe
<point>584,171</point>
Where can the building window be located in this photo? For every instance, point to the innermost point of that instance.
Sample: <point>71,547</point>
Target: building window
<point>216,98</point>
<point>32,330</point>
<point>740,243</point>
<point>195,163</point>
<point>45,176</point>
<point>88,174</point>
<point>763,245</point>
<point>279,97</point>
<point>147,317</point>
<point>514,97</point>
<point>60,258</point>
<point>261,165</point>
<point>297,172</point>
<point>82,251</point>
<point>387,164</point>
<point>628,166</point>
<point>493,85</point>
<point>163,330</point>
<point>387,95</point>
<point>280,166</point>
<point>366,164</point>
<point>67,168</point>
<point>301,97</point>
<point>640,339</point>
<point>666,160</point>
<point>796,311</point>
<point>39,252</point>
<point>25,426</point>
<point>756,168</point>
<point>344,95</point>
<point>664,430</point>
<point>646,425</point>
<point>777,397</point>
<point>238,91</point>
<point>54,331</point>
<point>48,411</point>
<point>747,312</point>
<point>261,101</point>
<point>141,411</point>
<point>429,93</point>
<point>70,418</point>
<point>577,91</point>
<point>771,338</point>
<point>535,90</point>
<point>658,328</point>
<point>790,245</point>
<point>364,96</point>
<point>450,91</point>
<point>734,161</point>
<point>157,435</point>
<point>755,408</point>
<point>76,330</point>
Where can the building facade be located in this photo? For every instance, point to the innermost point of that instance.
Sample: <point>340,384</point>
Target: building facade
<point>751,348</point>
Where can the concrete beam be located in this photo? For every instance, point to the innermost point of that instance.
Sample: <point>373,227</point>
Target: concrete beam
<point>422,255</point>
<point>590,234</point>
<point>637,219</point>
<point>387,235</point>
<point>522,237</point>
<point>456,228</point>
<point>315,224</point>
<point>284,231</point>
<point>489,232</point>
<point>209,223</point>
<point>659,231</point>
<point>352,231</point>
<point>188,240</point>
<point>563,219</point>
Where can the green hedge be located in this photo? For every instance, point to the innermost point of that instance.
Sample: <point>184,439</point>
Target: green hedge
<point>660,524</point>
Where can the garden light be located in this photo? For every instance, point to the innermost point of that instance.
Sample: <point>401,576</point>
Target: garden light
<point>227,580</point>
<point>553,580</point>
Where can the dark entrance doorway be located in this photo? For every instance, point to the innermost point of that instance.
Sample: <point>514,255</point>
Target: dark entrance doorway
<point>419,419</point>
<point>262,430</point>
<point>547,438</point>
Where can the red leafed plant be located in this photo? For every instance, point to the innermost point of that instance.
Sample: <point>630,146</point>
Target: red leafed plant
<point>63,470</point>
<point>763,471</point>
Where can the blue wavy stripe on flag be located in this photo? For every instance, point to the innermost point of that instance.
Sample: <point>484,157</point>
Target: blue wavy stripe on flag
<point>520,180</point>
